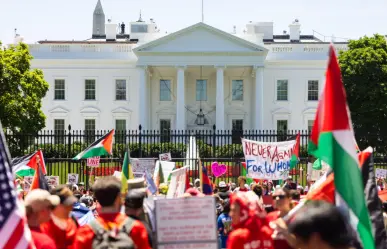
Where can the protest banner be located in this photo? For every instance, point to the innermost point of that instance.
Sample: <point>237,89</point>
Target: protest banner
<point>177,186</point>
<point>140,165</point>
<point>93,161</point>
<point>52,181</point>
<point>380,173</point>
<point>186,223</point>
<point>268,160</point>
<point>165,157</point>
<point>72,178</point>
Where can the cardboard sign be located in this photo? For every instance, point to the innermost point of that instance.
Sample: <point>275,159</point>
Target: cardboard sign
<point>72,178</point>
<point>52,181</point>
<point>165,157</point>
<point>186,223</point>
<point>167,168</point>
<point>268,160</point>
<point>93,161</point>
<point>140,165</point>
<point>177,186</point>
<point>380,173</point>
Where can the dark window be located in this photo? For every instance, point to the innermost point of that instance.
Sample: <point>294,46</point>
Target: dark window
<point>120,89</point>
<point>120,131</point>
<point>312,90</point>
<point>165,130</point>
<point>89,89</point>
<point>89,130</point>
<point>59,92</point>
<point>237,130</point>
<point>59,131</point>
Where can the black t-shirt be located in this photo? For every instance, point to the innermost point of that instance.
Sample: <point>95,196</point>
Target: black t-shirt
<point>224,195</point>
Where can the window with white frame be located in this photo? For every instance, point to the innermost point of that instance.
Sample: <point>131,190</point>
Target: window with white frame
<point>282,90</point>
<point>310,125</point>
<point>165,130</point>
<point>59,131</point>
<point>89,130</point>
<point>59,89</point>
<point>282,128</point>
<point>120,131</point>
<point>237,90</point>
<point>312,90</point>
<point>90,90</point>
<point>165,90</point>
<point>201,90</point>
<point>121,89</point>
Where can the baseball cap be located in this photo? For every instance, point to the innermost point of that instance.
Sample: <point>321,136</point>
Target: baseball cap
<point>65,195</point>
<point>37,199</point>
<point>137,183</point>
<point>134,199</point>
<point>222,184</point>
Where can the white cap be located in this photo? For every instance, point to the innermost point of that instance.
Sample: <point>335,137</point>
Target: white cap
<point>36,199</point>
<point>222,184</point>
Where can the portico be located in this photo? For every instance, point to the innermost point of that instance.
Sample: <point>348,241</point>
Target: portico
<point>200,71</point>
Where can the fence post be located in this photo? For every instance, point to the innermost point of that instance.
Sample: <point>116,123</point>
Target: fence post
<point>69,149</point>
<point>213,141</point>
<point>139,142</point>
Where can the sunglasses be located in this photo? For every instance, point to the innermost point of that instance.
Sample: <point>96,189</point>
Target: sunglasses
<point>279,197</point>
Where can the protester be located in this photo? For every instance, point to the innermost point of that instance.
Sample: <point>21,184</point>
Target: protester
<point>266,190</point>
<point>257,189</point>
<point>317,225</point>
<point>289,184</point>
<point>111,222</point>
<point>81,212</point>
<point>270,187</point>
<point>134,206</point>
<point>250,228</point>
<point>61,228</point>
<point>224,224</point>
<point>38,205</point>
<point>232,186</point>
<point>283,204</point>
<point>242,185</point>
<point>224,192</point>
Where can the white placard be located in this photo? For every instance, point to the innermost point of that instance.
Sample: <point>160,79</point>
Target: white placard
<point>177,186</point>
<point>165,157</point>
<point>268,160</point>
<point>93,161</point>
<point>190,220</point>
<point>140,165</point>
<point>72,178</point>
<point>380,173</point>
<point>317,174</point>
<point>117,174</point>
<point>167,168</point>
<point>52,181</point>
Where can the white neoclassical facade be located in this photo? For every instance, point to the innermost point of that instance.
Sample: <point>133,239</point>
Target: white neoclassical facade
<point>195,78</point>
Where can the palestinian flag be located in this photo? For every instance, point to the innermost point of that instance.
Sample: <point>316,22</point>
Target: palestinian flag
<point>101,147</point>
<point>26,165</point>
<point>244,173</point>
<point>332,141</point>
<point>39,181</point>
<point>295,158</point>
<point>126,173</point>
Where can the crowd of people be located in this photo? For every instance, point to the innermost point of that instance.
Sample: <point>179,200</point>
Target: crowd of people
<point>69,216</point>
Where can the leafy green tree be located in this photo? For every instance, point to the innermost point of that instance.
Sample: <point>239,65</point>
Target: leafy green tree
<point>21,92</point>
<point>364,72</point>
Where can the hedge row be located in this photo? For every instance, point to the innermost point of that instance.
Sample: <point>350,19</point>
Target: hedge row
<point>177,150</point>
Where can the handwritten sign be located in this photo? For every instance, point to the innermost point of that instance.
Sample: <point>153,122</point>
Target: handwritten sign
<point>165,157</point>
<point>380,173</point>
<point>72,178</point>
<point>186,223</point>
<point>268,160</point>
<point>141,165</point>
<point>93,161</point>
<point>177,186</point>
<point>52,181</point>
<point>218,169</point>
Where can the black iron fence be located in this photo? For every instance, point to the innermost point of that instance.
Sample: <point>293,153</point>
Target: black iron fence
<point>60,147</point>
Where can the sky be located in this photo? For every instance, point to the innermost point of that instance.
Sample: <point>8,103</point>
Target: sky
<point>72,19</point>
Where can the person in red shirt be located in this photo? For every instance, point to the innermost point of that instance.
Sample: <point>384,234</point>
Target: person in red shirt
<point>38,205</point>
<point>242,185</point>
<point>283,204</point>
<point>61,228</point>
<point>249,226</point>
<point>108,193</point>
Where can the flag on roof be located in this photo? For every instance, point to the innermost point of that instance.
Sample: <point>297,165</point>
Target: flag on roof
<point>332,140</point>
<point>126,172</point>
<point>14,231</point>
<point>101,147</point>
<point>295,158</point>
<point>26,165</point>
<point>207,185</point>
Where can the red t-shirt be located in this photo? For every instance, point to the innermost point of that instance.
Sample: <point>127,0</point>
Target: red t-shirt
<point>41,240</point>
<point>85,234</point>
<point>278,243</point>
<point>243,189</point>
<point>63,238</point>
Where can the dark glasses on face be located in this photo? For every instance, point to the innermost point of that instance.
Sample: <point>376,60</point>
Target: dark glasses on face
<point>278,197</point>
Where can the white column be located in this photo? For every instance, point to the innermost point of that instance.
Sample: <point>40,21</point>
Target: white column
<point>220,98</point>
<point>143,100</point>
<point>180,99</point>
<point>258,100</point>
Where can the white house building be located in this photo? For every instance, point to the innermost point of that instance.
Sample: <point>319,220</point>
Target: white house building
<point>192,79</point>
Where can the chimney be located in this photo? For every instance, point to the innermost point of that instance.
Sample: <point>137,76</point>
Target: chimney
<point>294,31</point>
<point>111,29</point>
<point>266,28</point>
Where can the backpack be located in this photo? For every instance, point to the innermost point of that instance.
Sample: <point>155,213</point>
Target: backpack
<point>106,239</point>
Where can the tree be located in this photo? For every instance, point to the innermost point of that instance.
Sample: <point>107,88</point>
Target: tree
<point>21,92</point>
<point>364,72</point>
